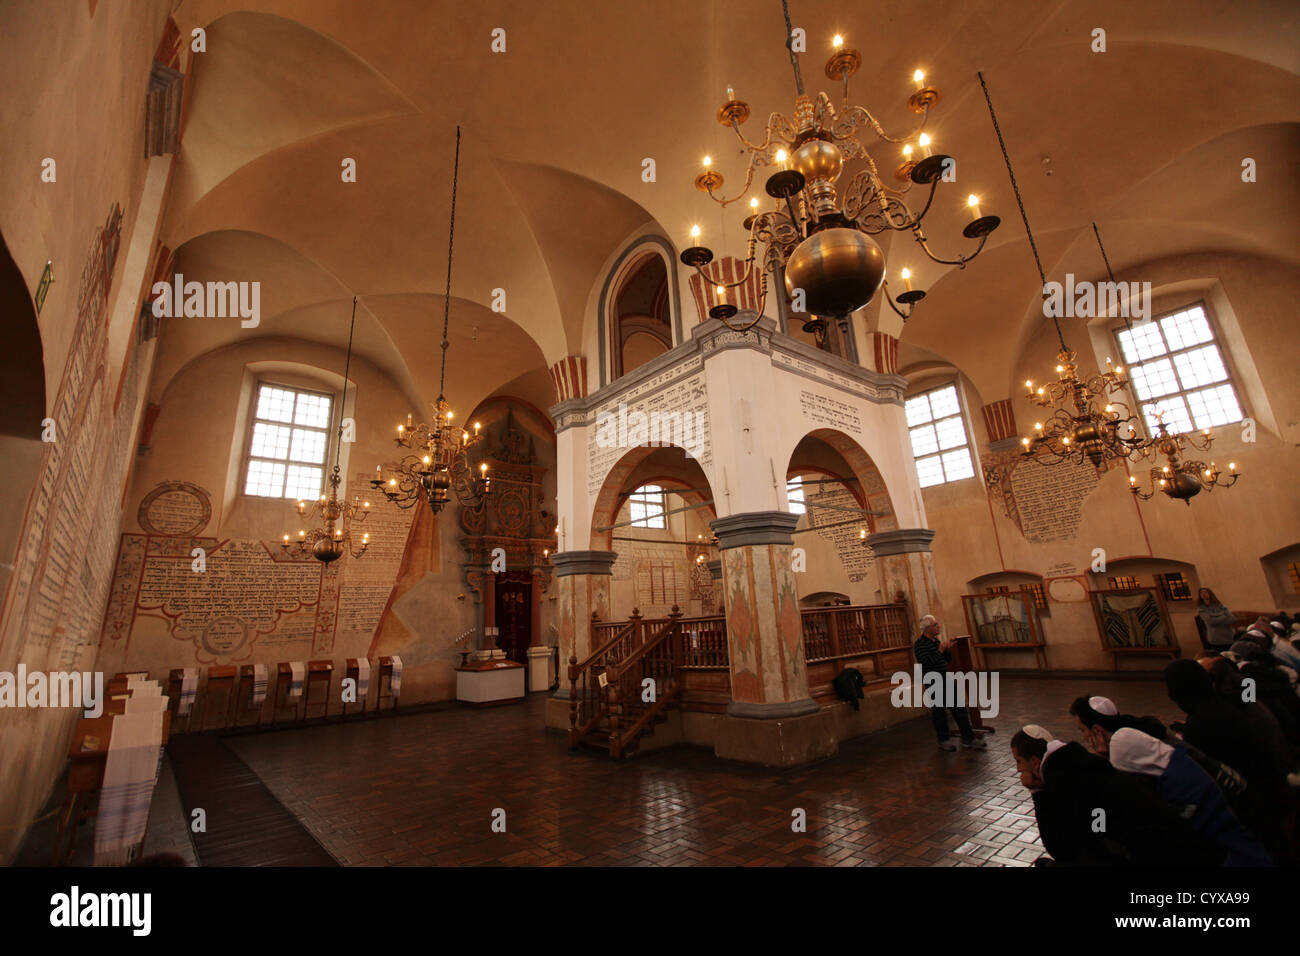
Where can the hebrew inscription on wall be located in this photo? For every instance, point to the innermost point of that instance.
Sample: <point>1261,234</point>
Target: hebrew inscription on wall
<point>822,410</point>
<point>254,600</point>
<point>1045,502</point>
<point>857,557</point>
<point>663,409</point>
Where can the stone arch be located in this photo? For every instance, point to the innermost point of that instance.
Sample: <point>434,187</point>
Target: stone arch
<point>667,466</point>
<point>634,258</point>
<point>22,385</point>
<point>832,452</point>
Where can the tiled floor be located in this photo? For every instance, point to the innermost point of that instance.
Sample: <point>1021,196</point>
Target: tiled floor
<point>422,789</point>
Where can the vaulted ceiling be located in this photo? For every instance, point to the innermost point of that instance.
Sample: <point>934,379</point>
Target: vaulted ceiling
<point>1147,139</point>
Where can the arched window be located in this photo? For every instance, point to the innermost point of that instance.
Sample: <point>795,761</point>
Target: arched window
<point>640,322</point>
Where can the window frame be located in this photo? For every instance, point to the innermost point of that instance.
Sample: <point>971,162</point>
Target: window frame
<point>967,444</point>
<point>802,501</point>
<point>1225,357</point>
<point>331,436</point>
<point>637,496</point>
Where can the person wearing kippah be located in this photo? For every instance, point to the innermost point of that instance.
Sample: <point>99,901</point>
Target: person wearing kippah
<point>1188,789</point>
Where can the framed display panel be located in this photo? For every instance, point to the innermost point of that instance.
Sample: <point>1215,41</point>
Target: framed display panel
<point>1004,621</point>
<point>1133,621</point>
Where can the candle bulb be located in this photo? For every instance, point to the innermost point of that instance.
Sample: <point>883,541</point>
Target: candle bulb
<point>1132,481</point>
<point>1025,442</point>
<point>973,201</point>
<point>731,95</point>
<point>907,279</point>
<point>1038,426</point>
<point>753,204</point>
<point>286,539</point>
<point>721,291</point>
<point>302,534</point>
<point>924,140</point>
<point>1029,385</point>
<point>708,161</point>
<point>695,235</point>
<point>919,79</point>
<point>1232,466</point>
<point>477,426</point>
<point>781,157</point>
<point>408,420</point>
<point>837,42</point>
<point>907,152</point>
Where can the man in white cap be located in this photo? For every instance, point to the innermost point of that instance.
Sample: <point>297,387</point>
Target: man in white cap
<point>933,655</point>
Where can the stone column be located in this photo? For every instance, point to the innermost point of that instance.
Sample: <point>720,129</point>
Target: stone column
<point>582,586</point>
<point>906,565</point>
<point>771,719</point>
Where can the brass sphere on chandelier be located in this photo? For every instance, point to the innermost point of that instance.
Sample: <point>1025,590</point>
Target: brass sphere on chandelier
<point>838,269</point>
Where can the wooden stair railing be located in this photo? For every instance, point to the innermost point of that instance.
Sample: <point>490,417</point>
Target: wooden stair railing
<point>588,697</point>
<point>658,659</point>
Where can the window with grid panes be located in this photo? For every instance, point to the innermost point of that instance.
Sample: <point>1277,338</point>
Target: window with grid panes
<point>288,443</point>
<point>1124,583</point>
<point>1175,586</point>
<point>938,435</point>
<point>646,506</point>
<point>1177,369</point>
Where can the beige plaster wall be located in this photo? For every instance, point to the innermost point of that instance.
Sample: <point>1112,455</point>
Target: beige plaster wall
<point>1221,535</point>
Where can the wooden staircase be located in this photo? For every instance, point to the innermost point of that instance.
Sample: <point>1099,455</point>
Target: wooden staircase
<point>626,686</point>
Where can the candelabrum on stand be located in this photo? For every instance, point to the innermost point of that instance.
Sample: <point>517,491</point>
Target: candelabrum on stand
<point>334,537</point>
<point>1180,478</point>
<point>1077,429</point>
<point>437,465</point>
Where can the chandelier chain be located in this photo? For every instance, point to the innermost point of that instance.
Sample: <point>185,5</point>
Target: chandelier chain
<point>347,368</point>
<point>451,238</point>
<point>1127,324</point>
<point>789,45</point>
<point>1019,201</point>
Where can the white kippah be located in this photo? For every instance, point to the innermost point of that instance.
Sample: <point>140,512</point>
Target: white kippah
<point>1042,733</point>
<point>1103,705</point>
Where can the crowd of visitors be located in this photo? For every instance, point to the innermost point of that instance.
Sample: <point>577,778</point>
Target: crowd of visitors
<point>1217,788</point>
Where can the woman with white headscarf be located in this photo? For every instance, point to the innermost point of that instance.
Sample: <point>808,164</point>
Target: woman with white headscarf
<point>1181,783</point>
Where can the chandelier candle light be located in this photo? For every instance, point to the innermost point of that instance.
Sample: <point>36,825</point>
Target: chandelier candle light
<point>821,242</point>
<point>329,541</point>
<point>1179,479</point>
<point>440,459</point>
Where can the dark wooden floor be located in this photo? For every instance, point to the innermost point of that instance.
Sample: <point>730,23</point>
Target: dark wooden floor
<point>244,824</point>
<point>422,789</point>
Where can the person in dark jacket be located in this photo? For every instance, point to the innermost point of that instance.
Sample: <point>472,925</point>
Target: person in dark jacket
<point>1217,619</point>
<point>1098,718</point>
<point>933,655</point>
<point>1188,789</point>
<point>1093,815</point>
<point>1221,729</point>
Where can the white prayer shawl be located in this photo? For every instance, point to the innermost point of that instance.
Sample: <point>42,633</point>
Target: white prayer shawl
<point>1136,752</point>
<point>145,704</point>
<point>395,681</point>
<point>189,688</point>
<point>297,675</point>
<point>363,678</point>
<point>259,684</point>
<point>130,772</point>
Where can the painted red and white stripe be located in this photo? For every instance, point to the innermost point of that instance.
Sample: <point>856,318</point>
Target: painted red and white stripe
<point>569,375</point>
<point>1000,419</point>
<point>724,271</point>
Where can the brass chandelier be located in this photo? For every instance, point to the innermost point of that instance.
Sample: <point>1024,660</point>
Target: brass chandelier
<point>820,242</point>
<point>1180,479</point>
<point>439,459</point>
<point>1086,423</point>
<point>330,540</point>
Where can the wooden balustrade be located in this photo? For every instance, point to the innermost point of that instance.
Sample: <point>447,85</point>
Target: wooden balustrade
<point>837,632</point>
<point>606,690</point>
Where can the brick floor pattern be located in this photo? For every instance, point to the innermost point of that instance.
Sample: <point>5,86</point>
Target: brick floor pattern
<point>421,790</point>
